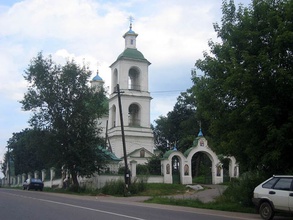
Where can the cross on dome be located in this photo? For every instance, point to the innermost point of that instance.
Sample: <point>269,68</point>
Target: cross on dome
<point>131,19</point>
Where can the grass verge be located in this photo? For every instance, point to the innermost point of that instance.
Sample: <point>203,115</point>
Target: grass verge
<point>195,203</point>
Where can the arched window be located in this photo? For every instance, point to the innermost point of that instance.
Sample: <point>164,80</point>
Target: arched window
<point>134,79</point>
<point>113,116</point>
<point>115,80</point>
<point>142,153</point>
<point>134,115</point>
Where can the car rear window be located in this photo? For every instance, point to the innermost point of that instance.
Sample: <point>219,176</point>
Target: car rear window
<point>283,184</point>
<point>270,183</point>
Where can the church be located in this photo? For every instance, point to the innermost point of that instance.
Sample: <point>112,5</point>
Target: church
<point>130,72</point>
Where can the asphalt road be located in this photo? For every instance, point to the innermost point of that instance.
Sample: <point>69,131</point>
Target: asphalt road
<point>30,205</point>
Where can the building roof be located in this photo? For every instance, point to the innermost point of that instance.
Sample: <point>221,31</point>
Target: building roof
<point>167,154</point>
<point>97,78</point>
<point>130,32</point>
<point>138,150</point>
<point>132,53</point>
<point>108,155</point>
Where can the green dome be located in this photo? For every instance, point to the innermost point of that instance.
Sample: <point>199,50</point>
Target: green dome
<point>132,54</point>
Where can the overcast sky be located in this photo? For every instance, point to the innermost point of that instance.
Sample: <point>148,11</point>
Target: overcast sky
<point>172,35</point>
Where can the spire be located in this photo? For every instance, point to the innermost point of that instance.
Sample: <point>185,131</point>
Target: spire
<point>200,134</point>
<point>97,77</point>
<point>175,148</point>
<point>130,18</point>
<point>130,36</point>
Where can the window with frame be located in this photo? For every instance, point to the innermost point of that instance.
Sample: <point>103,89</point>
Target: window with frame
<point>283,184</point>
<point>270,183</point>
<point>142,153</point>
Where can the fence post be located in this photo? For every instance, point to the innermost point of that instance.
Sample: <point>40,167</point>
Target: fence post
<point>43,175</point>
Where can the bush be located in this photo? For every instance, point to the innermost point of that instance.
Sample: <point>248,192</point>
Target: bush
<point>138,185</point>
<point>117,187</point>
<point>241,190</point>
<point>121,170</point>
<point>114,187</point>
<point>199,179</point>
<point>154,165</point>
<point>142,169</point>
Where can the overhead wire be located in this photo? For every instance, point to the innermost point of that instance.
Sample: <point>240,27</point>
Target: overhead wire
<point>167,91</point>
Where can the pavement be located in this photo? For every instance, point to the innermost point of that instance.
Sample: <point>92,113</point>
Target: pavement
<point>208,194</point>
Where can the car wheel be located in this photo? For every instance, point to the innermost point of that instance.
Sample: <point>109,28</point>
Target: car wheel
<point>266,211</point>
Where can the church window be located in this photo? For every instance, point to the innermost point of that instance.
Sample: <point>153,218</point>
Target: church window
<point>134,79</point>
<point>134,115</point>
<point>114,80</point>
<point>131,41</point>
<point>114,116</point>
<point>142,153</point>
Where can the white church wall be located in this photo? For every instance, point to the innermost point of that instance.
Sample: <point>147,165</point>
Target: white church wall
<point>135,137</point>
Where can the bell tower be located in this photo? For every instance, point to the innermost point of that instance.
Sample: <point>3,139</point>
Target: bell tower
<point>130,71</point>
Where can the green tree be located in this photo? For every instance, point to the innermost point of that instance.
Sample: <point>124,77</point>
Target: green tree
<point>245,94</point>
<point>161,133</point>
<point>31,150</point>
<point>154,165</point>
<point>63,103</point>
<point>180,126</point>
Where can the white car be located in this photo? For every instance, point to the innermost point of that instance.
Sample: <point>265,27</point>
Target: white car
<point>274,195</point>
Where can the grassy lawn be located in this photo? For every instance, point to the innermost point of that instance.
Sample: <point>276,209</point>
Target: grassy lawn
<point>161,189</point>
<point>195,203</point>
<point>162,194</point>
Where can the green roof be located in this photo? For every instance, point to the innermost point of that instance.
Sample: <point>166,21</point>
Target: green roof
<point>108,155</point>
<point>132,54</point>
<point>194,144</point>
<point>167,154</point>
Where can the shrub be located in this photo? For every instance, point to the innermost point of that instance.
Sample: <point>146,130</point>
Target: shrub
<point>154,165</point>
<point>137,186</point>
<point>114,187</point>
<point>241,190</point>
<point>117,187</point>
<point>142,169</point>
<point>121,170</point>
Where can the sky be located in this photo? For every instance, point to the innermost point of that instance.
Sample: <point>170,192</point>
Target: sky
<point>172,35</point>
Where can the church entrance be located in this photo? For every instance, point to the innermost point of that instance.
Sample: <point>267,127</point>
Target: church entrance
<point>201,168</point>
<point>176,170</point>
<point>198,164</point>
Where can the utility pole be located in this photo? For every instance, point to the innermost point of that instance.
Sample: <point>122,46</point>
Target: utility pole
<point>126,171</point>
<point>1,170</point>
<point>8,166</point>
